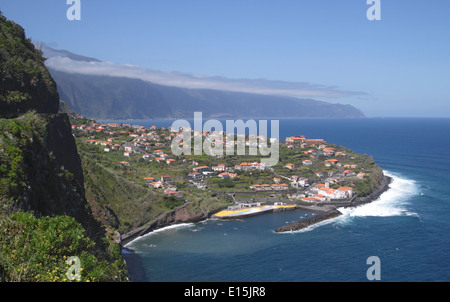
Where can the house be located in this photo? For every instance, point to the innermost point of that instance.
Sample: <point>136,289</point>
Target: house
<point>316,141</point>
<point>256,187</point>
<point>310,199</point>
<point>345,192</point>
<point>224,175</point>
<point>265,187</point>
<point>165,178</point>
<point>195,175</point>
<point>127,154</point>
<point>284,187</point>
<point>361,175</point>
<point>201,169</point>
<point>304,182</point>
<point>170,160</point>
<point>307,162</point>
<point>295,139</point>
<point>219,168</point>
<point>320,197</point>
<point>124,163</point>
<point>348,173</point>
<point>328,151</point>
<point>130,148</point>
<point>290,166</point>
<point>319,174</point>
<point>149,179</point>
<point>158,152</point>
<point>157,185</point>
<point>250,166</point>
<point>275,187</point>
<point>332,161</point>
<point>171,193</point>
<point>328,192</point>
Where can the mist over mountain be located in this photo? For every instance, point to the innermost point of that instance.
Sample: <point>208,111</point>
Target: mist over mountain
<point>106,90</point>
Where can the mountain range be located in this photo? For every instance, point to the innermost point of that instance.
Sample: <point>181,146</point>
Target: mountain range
<point>105,90</point>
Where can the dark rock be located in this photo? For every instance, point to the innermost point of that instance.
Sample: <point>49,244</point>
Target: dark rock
<point>298,225</point>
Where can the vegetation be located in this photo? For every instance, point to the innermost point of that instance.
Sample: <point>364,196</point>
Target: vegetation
<point>25,83</point>
<point>34,246</point>
<point>45,219</point>
<point>37,250</point>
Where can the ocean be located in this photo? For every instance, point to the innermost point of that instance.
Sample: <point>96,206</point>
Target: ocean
<point>407,228</point>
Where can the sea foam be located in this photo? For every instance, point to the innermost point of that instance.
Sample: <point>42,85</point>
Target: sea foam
<point>394,202</point>
<point>161,230</point>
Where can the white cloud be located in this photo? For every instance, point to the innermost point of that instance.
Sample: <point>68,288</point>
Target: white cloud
<point>260,86</point>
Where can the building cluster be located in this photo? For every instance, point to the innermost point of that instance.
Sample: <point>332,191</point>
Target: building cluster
<point>149,145</point>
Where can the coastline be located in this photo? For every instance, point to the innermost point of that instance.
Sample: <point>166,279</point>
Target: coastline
<point>332,210</point>
<point>174,217</point>
<point>329,211</point>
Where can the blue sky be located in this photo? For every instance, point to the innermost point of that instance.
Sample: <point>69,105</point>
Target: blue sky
<point>398,66</point>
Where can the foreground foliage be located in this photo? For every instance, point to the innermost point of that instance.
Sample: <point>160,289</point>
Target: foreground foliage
<point>37,249</point>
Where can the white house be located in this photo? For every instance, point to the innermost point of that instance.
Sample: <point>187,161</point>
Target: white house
<point>307,162</point>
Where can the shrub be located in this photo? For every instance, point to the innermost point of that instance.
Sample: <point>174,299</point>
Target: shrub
<point>37,249</point>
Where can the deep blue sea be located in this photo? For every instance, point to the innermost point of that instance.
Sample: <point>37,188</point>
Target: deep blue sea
<point>407,228</point>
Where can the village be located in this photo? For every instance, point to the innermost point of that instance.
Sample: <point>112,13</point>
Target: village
<point>310,171</point>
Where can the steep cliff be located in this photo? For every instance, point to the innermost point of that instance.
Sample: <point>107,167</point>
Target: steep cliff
<point>40,167</point>
<point>25,83</point>
<point>44,216</point>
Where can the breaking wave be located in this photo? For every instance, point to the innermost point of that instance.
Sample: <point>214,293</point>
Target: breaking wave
<point>164,229</point>
<point>394,202</point>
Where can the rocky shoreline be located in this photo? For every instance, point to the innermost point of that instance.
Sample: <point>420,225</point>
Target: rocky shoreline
<point>332,212</point>
<point>177,216</point>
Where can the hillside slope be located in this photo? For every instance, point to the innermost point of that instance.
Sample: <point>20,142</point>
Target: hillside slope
<point>113,97</point>
<point>44,215</point>
<point>25,83</point>
<point>103,97</point>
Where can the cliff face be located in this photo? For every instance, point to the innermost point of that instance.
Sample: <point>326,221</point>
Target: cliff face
<point>43,208</point>
<point>61,143</point>
<point>184,214</point>
<point>40,167</point>
<point>105,97</point>
<point>25,83</point>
